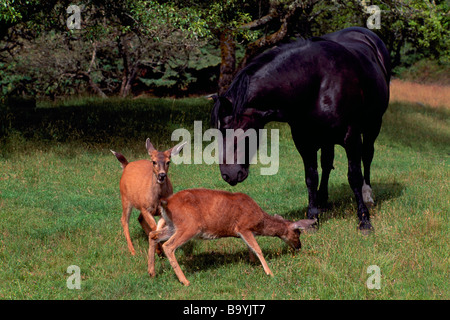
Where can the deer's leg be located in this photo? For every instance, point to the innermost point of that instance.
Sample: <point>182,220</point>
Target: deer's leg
<point>125,220</point>
<point>154,238</point>
<point>151,256</point>
<point>178,239</point>
<point>250,240</point>
<point>161,224</point>
<point>144,224</point>
<point>147,221</point>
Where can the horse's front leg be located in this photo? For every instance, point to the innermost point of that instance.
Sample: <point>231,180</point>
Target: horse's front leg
<point>326,161</point>
<point>312,182</point>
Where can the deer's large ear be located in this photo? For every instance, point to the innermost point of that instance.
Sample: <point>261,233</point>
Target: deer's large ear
<point>303,224</point>
<point>176,150</point>
<point>148,145</point>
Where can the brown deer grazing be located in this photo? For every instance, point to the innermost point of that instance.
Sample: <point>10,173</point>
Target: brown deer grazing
<point>210,214</point>
<point>142,185</point>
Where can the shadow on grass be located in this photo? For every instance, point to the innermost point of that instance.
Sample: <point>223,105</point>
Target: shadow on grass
<point>120,122</point>
<point>342,203</point>
<point>417,126</point>
<point>211,259</point>
<point>114,121</point>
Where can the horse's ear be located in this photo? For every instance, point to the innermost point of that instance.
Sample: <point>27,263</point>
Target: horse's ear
<point>226,107</point>
<point>222,108</point>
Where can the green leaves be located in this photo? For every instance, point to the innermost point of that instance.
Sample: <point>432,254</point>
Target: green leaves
<point>163,39</point>
<point>9,12</point>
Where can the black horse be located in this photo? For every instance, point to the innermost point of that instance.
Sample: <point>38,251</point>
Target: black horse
<point>331,90</point>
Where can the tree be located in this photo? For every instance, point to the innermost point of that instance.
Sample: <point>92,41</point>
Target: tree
<point>231,20</point>
<point>116,41</point>
<point>124,43</point>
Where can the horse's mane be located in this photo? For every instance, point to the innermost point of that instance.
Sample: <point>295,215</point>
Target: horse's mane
<point>237,92</point>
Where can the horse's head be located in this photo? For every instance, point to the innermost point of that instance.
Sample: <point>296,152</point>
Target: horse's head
<point>239,143</point>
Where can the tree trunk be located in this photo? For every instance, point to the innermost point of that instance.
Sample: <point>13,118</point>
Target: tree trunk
<point>87,76</point>
<point>96,88</point>
<point>228,60</point>
<point>129,80</point>
<point>123,51</point>
<point>228,46</point>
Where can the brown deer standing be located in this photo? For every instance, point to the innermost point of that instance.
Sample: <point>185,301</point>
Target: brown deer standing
<point>142,185</point>
<point>210,214</point>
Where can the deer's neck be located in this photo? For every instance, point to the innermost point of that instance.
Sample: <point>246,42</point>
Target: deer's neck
<point>162,190</point>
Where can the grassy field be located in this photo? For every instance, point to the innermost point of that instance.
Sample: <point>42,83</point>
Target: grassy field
<point>60,206</point>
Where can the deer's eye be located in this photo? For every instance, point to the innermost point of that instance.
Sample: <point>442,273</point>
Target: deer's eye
<point>154,163</point>
<point>167,163</point>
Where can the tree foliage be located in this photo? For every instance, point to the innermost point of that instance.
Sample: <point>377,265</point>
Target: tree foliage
<point>125,47</point>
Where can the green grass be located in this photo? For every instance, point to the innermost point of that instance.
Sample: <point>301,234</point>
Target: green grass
<point>60,206</point>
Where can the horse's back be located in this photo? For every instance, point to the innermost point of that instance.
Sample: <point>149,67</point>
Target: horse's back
<point>373,57</point>
<point>315,83</point>
<point>363,41</point>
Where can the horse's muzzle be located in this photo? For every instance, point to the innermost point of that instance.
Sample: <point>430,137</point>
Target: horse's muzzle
<point>232,176</point>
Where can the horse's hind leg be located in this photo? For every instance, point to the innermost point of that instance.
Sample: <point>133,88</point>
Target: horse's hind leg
<point>353,148</point>
<point>326,162</point>
<point>367,155</point>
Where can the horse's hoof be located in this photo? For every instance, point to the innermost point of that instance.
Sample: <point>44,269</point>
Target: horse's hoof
<point>313,213</point>
<point>369,203</point>
<point>366,228</point>
<point>325,206</point>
